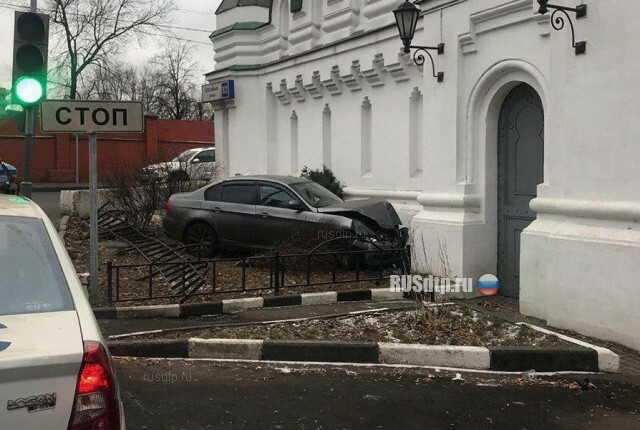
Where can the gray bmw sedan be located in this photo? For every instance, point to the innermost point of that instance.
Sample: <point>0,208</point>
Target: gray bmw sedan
<point>253,212</point>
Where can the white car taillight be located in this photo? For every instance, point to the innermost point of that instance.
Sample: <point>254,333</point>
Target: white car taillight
<point>96,405</point>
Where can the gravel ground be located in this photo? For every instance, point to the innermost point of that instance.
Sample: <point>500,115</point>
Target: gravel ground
<point>449,325</point>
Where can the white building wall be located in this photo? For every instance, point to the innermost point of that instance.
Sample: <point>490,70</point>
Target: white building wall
<point>586,238</point>
<point>579,259</point>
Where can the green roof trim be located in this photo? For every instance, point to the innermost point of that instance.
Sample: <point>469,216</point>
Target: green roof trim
<point>296,6</point>
<point>249,25</point>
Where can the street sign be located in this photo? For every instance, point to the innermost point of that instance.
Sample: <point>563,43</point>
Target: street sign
<point>224,90</point>
<point>91,116</point>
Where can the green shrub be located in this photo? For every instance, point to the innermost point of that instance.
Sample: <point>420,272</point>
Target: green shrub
<point>326,178</point>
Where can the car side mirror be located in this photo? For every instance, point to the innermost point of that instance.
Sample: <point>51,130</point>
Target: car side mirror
<point>296,205</point>
<point>195,161</point>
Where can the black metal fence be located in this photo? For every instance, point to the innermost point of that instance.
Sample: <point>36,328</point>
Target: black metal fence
<point>255,273</point>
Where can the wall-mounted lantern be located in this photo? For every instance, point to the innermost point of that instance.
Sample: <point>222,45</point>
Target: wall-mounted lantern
<point>558,21</point>
<point>407,15</point>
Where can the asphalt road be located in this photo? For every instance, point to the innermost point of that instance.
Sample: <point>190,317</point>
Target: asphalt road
<point>178,394</point>
<point>49,201</point>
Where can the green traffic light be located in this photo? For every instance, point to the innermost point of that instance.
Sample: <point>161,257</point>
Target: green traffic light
<point>28,90</point>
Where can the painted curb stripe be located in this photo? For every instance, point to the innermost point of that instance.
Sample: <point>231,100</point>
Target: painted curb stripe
<point>280,301</point>
<point>608,361</point>
<point>320,351</point>
<point>198,309</point>
<point>150,349</point>
<point>235,305</point>
<point>226,349</point>
<point>521,359</point>
<point>105,313</point>
<point>507,359</point>
<point>464,357</point>
<point>323,298</point>
<point>354,296</point>
<point>239,305</point>
<point>162,311</point>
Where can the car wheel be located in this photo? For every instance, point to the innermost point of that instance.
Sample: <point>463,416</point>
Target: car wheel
<point>203,234</point>
<point>179,176</point>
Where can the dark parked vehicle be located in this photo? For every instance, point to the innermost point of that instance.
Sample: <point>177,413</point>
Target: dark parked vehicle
<point>6,172</point>
<point>253,212</point>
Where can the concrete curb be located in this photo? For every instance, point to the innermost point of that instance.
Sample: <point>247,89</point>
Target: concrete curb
<point>608,361</point>
<point>237,305</point>
<point>511,359</point>
<point>62,228</point>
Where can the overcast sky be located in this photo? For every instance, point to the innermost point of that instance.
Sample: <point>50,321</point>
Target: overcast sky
<point>194,14</point>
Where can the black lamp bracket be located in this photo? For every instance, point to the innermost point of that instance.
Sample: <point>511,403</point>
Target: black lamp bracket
<point>420,59</point>
<point>558,21</point>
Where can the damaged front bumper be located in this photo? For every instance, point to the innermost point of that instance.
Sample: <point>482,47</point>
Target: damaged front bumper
<point>384,249</point>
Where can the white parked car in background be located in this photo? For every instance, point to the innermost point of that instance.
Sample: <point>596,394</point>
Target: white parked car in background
<point>193,164</point>
<point>55,369</point>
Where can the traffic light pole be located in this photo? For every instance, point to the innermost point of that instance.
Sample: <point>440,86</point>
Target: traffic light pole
<point>29,135</point>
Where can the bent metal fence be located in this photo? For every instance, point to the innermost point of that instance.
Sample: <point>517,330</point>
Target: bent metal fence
<point>143,282</point>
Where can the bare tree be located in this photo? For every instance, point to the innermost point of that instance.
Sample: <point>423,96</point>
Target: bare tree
<point>204,112</point>
<point>176,81</point>
<point>167,85</point>
<point>114,82</point>
<point>93,31</point>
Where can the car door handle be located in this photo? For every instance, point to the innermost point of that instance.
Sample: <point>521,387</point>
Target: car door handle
<point>265,215</point>
<point>217,209</point>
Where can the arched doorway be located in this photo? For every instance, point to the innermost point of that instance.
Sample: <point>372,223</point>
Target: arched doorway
<point>520,170</point>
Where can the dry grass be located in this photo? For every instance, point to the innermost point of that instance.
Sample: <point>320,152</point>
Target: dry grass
<point>465,327</point>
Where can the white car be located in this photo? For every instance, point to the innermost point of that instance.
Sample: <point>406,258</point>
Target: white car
<point>193,164</point>
<point>55,369</point>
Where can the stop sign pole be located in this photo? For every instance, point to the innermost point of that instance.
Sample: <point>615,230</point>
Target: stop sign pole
<point>92,117</point>
<point>93,219</point>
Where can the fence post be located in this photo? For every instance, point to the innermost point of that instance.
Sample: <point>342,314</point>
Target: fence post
<point>151,281</point>
<point>184,279</point>
<point>277,272</point>
<point>109,283</point>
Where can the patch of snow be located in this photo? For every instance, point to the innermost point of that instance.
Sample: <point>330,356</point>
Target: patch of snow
<point>511,331</point>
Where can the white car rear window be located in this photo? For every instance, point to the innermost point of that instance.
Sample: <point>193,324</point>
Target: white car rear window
<point>31,279</point>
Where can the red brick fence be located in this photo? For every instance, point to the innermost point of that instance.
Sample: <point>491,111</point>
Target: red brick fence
<point>54,156</point>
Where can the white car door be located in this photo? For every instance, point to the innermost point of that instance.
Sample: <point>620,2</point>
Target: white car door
<point>202,165</point>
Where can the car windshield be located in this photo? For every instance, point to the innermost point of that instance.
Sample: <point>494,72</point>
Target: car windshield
<point>31,278</point>
<point>316,195</point>
<point>184,157</point>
